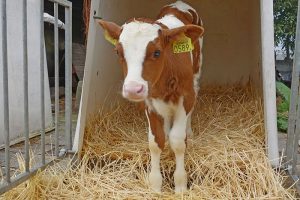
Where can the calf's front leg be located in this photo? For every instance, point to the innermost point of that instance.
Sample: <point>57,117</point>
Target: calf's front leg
<point>177,140</point>
<point>156,137</point>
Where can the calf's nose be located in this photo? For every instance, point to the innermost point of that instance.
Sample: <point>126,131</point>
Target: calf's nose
<point>134,91</point>
<point>133,87</point>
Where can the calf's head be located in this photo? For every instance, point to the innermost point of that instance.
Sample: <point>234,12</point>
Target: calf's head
<point>142,50</point>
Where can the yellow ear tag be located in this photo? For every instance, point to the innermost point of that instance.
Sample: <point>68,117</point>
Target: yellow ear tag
<point>183,45</point>
<point>110,39</point>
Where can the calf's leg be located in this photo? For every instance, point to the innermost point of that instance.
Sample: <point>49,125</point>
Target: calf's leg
<point>177,140</point>
<point>156,137</point>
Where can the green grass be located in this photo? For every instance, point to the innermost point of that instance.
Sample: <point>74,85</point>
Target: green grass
<point>284,93</point>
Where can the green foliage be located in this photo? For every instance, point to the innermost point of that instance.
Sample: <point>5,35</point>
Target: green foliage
<point>284,93</point>
<point>285,19</point>
<point>283,107</point>
<point>282,122</point>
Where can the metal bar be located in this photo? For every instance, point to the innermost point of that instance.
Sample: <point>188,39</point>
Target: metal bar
<point>68,76</point>
<point>5,91</point>
<point>64,3</point>
<point>25,79</point>
<point>56,58</point>
<point>42,82</point>
<point>50,19</point>
<point>26,175</point>
<point>292,140</point>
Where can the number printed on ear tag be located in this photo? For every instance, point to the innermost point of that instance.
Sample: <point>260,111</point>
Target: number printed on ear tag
<point>110,39</point>
<point>183,45</point>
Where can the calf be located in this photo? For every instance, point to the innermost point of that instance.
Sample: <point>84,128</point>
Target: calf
<point>161,61</point>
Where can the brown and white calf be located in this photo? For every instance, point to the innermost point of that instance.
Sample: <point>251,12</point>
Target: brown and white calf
<point>166,81</point>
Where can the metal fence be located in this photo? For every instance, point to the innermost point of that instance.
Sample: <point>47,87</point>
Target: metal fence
<point>10,182</point>
<point>292,148</point>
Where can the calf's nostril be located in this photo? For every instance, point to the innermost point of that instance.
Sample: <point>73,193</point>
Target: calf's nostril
<point>140,89</point>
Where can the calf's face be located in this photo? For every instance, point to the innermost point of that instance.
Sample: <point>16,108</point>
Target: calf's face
<point>141,49</point>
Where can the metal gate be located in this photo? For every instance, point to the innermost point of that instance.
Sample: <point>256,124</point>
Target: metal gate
<point>292,148</point>
<point>8,181</point>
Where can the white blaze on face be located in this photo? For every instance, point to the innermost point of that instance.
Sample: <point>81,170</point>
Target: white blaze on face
<point>134,38</point>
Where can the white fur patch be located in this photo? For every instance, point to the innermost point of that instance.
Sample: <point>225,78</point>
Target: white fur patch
<point>196,81</point>
<point>201,22</point>
<point>177,142</point>
<point>201,53</point>
<point>166,110</point>
<point>171,21</point>
<point>201,42</point>
<point>184,8</point>
<point>198,74</point>
<point>134,39</point>
<point>188,129</point>
<point>180,120</point>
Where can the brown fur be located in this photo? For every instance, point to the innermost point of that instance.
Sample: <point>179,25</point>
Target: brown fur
<point>176,77</point>
<point>157,124</point>
<point>174,80</point>
<point>196,57</point>
<point>113,29</point>
<point>196,18</point>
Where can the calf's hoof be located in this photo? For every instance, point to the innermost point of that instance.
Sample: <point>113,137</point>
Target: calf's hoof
<point>180,178</point>
<point>155,181</point>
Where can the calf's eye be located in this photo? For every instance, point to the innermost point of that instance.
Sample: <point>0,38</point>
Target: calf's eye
<point>156,53</point>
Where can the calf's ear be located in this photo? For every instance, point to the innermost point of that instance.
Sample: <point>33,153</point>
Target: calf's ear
<point>191,31</point>
<point>112,31</point>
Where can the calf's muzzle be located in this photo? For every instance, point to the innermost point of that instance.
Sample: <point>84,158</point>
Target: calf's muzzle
<point>134,91</point>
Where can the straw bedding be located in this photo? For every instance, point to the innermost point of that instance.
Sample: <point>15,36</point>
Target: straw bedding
<point>225,158</point>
